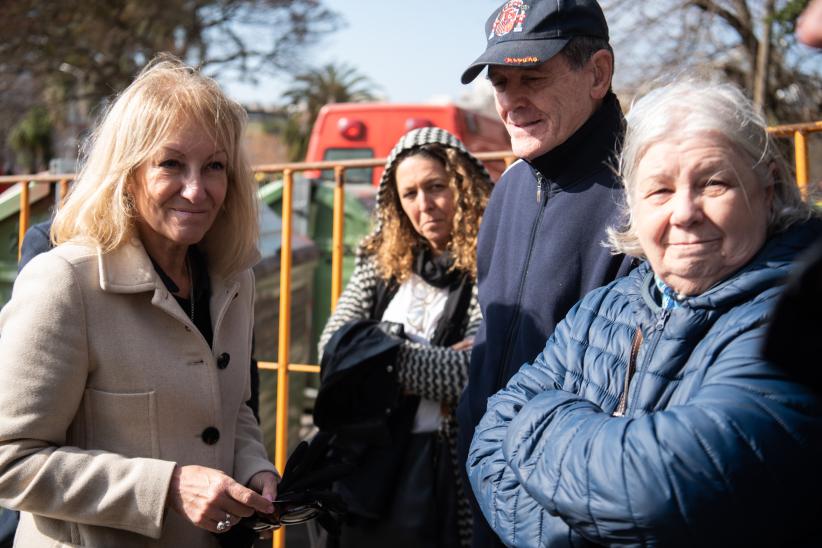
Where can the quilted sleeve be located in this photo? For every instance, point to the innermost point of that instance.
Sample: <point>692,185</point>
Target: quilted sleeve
<point>519,518</point>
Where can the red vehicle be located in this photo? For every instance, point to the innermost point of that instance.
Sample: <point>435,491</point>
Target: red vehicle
<point>345,131</point>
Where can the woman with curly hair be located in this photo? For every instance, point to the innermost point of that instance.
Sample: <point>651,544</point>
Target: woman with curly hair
<point>418,269</point>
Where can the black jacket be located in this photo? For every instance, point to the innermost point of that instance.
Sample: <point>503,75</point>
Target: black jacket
<point>360,404</point>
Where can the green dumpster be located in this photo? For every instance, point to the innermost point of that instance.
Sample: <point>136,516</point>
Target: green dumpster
<point>359,203</point>
<point>266,323</point>
<point>40,200</point>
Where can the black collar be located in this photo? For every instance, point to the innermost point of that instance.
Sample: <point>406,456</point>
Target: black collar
<point>202,284</point>
<point>435,269</point>
<point>586,151</point>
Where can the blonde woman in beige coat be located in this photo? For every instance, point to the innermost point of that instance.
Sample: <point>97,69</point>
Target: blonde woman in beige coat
<point>124,351</point>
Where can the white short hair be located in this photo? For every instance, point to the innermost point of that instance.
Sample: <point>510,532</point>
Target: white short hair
<point>691,107</point>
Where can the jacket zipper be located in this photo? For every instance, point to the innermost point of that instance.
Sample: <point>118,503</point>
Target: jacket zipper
<point>623,399</point>
<point>541,187</point>
<point>661,318</point>
<point>542,198</point>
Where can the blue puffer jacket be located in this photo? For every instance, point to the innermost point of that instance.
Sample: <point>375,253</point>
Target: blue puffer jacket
<point>716,445</point>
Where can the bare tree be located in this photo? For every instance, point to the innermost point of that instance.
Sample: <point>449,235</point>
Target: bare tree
<point>75,54</point>
<point>94,47</point>
<point>750,42</point>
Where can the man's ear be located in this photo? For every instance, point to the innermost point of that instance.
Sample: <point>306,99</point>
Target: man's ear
<point>602,65</point>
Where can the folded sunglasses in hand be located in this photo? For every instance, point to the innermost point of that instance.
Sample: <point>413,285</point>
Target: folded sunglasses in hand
<point>294,508</point>
<point>304,493</point>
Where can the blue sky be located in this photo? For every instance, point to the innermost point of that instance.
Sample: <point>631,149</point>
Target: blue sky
<point>415,50</point>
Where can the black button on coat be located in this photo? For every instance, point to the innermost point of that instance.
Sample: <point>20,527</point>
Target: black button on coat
<point>210,435</point>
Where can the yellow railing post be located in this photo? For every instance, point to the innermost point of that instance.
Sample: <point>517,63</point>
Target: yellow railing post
<point>24,216</point>
<point>338,228</point>
<point>801,151</point>
<point>281,426</point>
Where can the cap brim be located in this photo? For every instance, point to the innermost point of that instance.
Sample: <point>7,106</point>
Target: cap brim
<point>515,53</point>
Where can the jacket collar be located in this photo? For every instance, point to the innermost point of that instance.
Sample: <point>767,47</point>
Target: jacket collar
<point>127,269</point>
<point>588,150</point>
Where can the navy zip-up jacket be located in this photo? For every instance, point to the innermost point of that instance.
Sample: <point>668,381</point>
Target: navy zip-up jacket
<point>540,250</point>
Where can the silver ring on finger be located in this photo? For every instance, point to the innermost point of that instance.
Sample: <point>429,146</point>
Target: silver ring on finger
<point>224,525</point>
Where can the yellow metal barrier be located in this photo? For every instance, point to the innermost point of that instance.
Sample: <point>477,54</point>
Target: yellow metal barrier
<point>797,131</point>
<point>337,235</point>
<point>23,222</point>
<point>800,144</point>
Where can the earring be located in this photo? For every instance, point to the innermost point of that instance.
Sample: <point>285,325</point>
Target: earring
<point>128,202</point>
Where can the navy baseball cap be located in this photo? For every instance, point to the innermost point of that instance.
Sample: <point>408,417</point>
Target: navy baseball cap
<point>523,33</point>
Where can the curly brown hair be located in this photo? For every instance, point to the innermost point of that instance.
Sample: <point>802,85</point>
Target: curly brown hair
<point>395,244</point>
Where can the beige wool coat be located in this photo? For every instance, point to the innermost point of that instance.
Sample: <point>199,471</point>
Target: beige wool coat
<point>105,385</point>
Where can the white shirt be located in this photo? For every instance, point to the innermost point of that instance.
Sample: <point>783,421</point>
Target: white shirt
<point>418,306</point>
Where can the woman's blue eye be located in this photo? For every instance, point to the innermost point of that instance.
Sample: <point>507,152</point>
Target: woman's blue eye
<point>217,166</point>
<point>659,191</point>
<point>170,164</point>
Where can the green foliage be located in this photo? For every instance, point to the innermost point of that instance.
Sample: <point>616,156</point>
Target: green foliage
<point>91,49</point>
<point>786,16</point>
<point>31,138</point>
<point>295,136</point>
<point>314,89</point>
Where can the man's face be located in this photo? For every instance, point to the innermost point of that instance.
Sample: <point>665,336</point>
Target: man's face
<point>542,106</point>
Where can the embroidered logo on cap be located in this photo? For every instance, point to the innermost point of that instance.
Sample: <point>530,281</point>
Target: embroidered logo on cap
<point>521,60</point>
<point>510,18</point>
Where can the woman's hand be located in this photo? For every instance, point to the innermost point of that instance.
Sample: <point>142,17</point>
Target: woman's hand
<point>206,496</point>
<point>265,483</point>
<point>465,344</point>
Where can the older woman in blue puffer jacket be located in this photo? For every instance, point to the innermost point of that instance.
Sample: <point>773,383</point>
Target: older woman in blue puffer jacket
<point>650,418</point>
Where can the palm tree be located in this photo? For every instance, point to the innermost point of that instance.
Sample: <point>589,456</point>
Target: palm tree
<point>314,89</point>
<point>31,139</point>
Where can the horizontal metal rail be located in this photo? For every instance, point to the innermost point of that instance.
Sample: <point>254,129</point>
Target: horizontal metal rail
<point>292,367</point>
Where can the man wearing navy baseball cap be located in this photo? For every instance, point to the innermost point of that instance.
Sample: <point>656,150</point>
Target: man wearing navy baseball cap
<point>540,245</point>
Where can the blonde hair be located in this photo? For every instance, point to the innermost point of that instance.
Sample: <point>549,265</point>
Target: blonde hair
<point>165,95</point>
<point>690,107</point>
<point>394,245</point>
